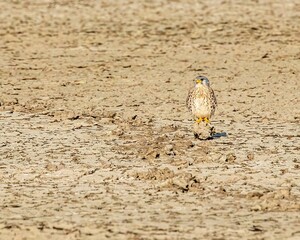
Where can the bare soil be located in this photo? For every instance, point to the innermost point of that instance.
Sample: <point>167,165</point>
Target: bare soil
<point>95,138</point>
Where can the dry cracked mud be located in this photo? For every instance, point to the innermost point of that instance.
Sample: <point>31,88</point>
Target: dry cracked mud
<point>95,138</point>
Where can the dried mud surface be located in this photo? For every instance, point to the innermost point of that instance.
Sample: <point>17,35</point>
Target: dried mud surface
<point>95,139</point>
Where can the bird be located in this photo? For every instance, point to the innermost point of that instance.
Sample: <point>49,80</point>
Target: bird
<point>201,100</point>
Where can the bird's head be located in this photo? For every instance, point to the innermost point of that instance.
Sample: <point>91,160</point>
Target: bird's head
<point>201,80</point>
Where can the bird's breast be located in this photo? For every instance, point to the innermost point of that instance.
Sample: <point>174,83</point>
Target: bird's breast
<point>201,104</point>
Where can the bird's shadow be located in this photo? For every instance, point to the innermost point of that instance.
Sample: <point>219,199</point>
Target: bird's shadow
<point>219,135</point>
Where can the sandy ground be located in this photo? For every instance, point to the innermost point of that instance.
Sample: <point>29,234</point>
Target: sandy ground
<point>95,138</point>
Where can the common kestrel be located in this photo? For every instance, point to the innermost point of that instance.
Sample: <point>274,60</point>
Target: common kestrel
<point>201,100</point>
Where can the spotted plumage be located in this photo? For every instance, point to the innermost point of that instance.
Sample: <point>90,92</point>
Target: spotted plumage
<point>201,100</point>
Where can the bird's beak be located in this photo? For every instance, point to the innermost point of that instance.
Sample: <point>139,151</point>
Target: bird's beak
<point>198,81</point>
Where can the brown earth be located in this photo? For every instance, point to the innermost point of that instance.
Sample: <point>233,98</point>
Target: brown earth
<point>96,141</point>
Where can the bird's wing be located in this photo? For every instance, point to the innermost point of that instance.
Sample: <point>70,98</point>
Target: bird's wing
<point>189,99</point>
<point>213,97</point>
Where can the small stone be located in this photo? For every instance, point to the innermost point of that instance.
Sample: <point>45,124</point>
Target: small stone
<point>284,193</point>
<point>118,132</point>
<point>256,208</point>
<point>230,157</point>
<point>51,167</point>
<point>250,156</point>
<point>169,150</point>
<point>152,153</point>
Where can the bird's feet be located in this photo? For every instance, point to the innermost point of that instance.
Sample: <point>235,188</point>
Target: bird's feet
<point>206,120</point>
<point>199,120</point>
